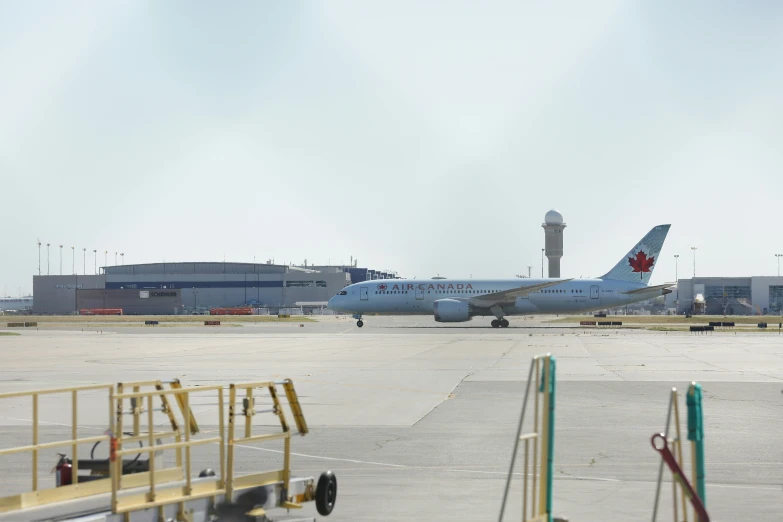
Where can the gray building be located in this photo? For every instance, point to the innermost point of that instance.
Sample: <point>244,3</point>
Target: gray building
<point>57,295</point>
<point>174,288</point>
<point>731,295</point>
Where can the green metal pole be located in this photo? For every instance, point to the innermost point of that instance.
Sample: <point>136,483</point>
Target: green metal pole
<point>549,382</point>
<point>696,435</point>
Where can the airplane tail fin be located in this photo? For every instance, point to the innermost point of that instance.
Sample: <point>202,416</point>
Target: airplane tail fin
<point>638,265</point>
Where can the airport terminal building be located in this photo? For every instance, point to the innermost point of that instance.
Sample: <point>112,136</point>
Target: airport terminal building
<point>731,295</point>
<point>187,288</point>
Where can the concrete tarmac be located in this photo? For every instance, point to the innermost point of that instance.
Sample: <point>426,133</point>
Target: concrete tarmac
<point>417,419</point>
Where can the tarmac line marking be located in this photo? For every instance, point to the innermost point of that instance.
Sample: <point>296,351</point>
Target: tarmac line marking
<point>353,461</point>
<point>56,423</point>
<point>421,468</point>
<point>503,473</point>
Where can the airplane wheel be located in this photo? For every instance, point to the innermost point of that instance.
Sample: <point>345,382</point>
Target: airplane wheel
<point>359,323</point>
<point>326,493</point>
<point>495,323</point>
<point>504,323</point>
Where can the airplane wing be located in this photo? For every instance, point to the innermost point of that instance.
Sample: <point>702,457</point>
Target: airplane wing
<point>510,295</point>
<point>645,289</point>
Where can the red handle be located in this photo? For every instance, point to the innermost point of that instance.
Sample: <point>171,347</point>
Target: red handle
<point>679,476</point>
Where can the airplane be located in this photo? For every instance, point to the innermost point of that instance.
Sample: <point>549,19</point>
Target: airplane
<point>460,300</point>
<point>8,304</point>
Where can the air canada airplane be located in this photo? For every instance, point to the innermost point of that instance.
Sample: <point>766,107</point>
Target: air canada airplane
<point>459,300</point>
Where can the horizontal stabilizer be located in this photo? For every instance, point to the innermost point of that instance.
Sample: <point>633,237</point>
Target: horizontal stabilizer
<point>646,289</point>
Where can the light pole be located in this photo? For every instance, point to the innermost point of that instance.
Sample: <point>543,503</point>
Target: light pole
<point>694,260</point>
<point>84,261</point>
<point>39,257</point>
<point>115,259</point>
<point>778,256</point>
<point>542,263</point>
<point>47,258</point>
<point>95,261</point>
<point>61,260</point>
<point>73,260</point>
<point>122,258</point>
<point>105,257</point>
<point>676,258</point>
<point>677,282</point>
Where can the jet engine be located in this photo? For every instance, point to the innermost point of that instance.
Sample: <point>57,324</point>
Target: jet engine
<point>451,311</point>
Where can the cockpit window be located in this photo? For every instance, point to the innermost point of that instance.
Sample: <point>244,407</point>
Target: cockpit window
<point>342,292</point>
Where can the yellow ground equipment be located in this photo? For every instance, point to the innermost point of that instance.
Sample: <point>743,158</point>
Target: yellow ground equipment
<point>538,468</point>
<point>126,487</point>
<point>669,445</point>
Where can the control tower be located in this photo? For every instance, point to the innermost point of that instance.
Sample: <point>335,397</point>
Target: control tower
<point>553,234</point>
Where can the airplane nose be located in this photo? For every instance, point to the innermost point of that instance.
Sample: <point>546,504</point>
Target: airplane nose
<point>330,304</point>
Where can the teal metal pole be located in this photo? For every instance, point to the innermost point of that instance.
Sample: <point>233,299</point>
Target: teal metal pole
<point>696,434</point>
<point>550,384</point>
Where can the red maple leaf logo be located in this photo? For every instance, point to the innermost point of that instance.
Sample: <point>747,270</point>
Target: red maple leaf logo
<point>641,263</point>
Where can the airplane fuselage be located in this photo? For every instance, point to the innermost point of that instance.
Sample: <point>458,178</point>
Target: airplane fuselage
<point>459,300</point>
<point>418,297</point>
<point>15,303</point>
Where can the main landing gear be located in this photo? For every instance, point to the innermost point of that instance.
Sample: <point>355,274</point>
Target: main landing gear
<point>359,321</point>
<point>499,323</point>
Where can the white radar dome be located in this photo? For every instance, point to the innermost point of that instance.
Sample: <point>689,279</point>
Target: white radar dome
<point>553,217</point>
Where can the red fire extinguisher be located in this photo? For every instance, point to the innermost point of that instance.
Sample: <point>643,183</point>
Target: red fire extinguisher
<point>64,471</point>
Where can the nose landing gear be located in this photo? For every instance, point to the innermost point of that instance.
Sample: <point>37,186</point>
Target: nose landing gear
<point>359,321</point>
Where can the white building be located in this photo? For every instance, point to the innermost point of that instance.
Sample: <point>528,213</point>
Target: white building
<point>759,295</point>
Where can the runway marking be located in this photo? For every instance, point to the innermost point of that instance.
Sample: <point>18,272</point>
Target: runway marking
<point>482,472</point>
<point>319,457</point>
<point>394,388</point>
<point>414,468</point>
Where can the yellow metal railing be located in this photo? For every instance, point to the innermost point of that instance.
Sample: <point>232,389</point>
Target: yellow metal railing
<point>183,442</point>
<point>36,446</point>
<point>40,496</point>
<point>248,412</point>
<point>157,488</point>
<point>536,479</point>
<point>674,443</point>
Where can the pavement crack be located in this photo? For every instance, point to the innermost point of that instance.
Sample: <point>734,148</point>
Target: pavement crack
<point>380,445</point>
<point>451,395</point>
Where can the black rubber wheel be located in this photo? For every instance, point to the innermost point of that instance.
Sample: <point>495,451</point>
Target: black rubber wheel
<point>504,323</point>
<point>359,323</point>
<point>495,323</point>
<point>326,493</point>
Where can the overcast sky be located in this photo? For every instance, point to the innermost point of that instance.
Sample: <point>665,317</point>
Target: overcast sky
<point>423,137</point>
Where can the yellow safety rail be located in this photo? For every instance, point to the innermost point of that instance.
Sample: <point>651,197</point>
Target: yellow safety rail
<point>44,496</point>
<point>536,480</point>
<point>137,400</point>
<point>674,442</point>
<point>156,497</point>
<point>38,497</point>
<point>248,412</point>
